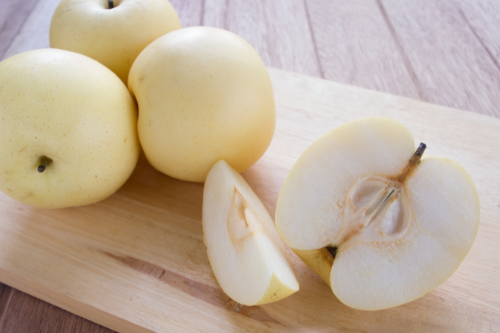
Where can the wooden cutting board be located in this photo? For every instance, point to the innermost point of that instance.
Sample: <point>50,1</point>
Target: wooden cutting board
<point>136,262</point>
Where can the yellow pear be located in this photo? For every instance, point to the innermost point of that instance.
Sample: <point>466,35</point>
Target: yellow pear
<point>247,256</point>
<point>67,129</point>
<point>204,95</point>
<point>113,35</point>
<point>379,223</point>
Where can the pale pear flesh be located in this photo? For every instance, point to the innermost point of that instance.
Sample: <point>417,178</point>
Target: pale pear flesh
<point>247,256</point>
<point>396,238</point>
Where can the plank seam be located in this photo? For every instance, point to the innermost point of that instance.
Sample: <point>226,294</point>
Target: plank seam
<point>202,18</point>
<point>5,298</point>
<point>18,30</point>
<point>225,14</point>
<point>497,64</point>
<point>402,53</point>
<point>309,24</point>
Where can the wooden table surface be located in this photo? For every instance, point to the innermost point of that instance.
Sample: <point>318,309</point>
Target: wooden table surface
<point>440,51</point>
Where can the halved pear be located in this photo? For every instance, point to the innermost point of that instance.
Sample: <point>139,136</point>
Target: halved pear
<point>379,224</point>
<point>247,256</point>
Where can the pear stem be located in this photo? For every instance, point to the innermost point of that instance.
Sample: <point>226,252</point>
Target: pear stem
<point>110,4</point>
<point>44,162</point>
<point>414,161</point>
<point>332,250</point>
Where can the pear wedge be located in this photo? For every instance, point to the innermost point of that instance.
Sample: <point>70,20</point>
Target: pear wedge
<point>247,256</point>
<point>381,224</point>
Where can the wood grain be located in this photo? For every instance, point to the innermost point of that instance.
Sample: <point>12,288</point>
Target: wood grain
<point>12,16</point>
<point>5,298</point>
<point>190,12</point>
<point>483,17</point>
<point>356,47</point>
<point>277,29</point>
<point>34,33</point>
<point>452,66</point>
<point>136,262</point>
<point>27,314</point>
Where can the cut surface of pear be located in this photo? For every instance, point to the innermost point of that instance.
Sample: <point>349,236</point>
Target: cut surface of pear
<point>247,256</point>
<point>395,225</point>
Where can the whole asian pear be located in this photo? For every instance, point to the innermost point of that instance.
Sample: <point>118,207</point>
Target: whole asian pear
<point>204,95</point>
<point>112,32</point>
<point>67,129</point>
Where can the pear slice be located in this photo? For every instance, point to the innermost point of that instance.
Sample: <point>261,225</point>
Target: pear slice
<point>247,256</point>
<point>379,223</point>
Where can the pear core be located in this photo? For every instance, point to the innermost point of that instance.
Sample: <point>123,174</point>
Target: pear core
<point>376,206</point>
<point>242,221</point>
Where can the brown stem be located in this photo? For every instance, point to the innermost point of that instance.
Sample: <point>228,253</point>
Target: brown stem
<point>110,4</point>
<point>418,153</point>
<point>43,163</point>
<point>332,250</point>
<point>414,161</point>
